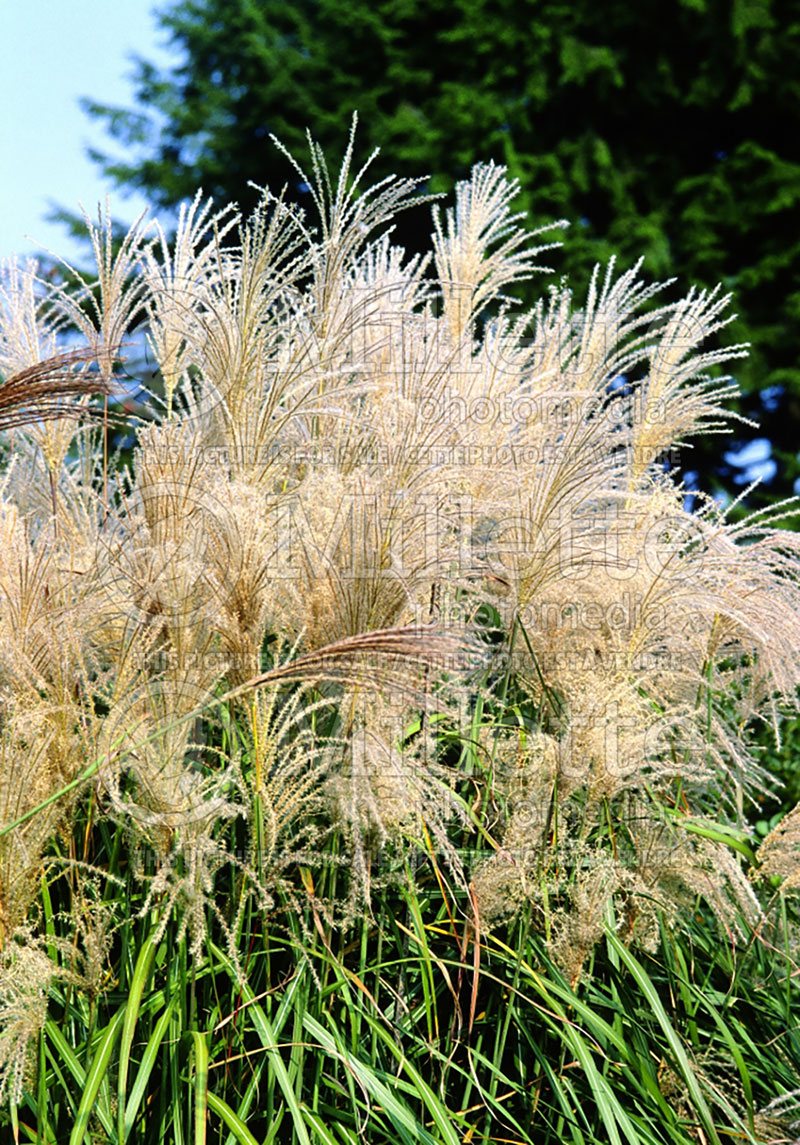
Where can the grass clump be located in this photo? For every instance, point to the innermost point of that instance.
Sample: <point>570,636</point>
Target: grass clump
<point>377,747</point>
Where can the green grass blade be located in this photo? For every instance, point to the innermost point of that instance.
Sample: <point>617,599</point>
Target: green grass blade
<point>321,1131</point>
<point>97,1074</point>
<point>135,990</point>
<point>237,1127</point>
<point>66,1054</point>
<point>408,1127</point>
<point>612,1113</point>
<point>145,1069</point>
<point>269,1041</point>
<point>679,1053</point>
<point>439,1113</point>
<point>729,836</point>
<point>252,1091</point>
<point>200,1086</point>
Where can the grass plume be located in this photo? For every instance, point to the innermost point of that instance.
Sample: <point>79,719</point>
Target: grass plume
<point>394,644</point>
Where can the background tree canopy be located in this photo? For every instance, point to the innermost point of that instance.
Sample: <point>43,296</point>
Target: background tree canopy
<point>665,130</point>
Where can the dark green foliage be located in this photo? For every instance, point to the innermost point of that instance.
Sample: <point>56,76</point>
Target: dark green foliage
<point>670,130</point>
<point>399,1029</point>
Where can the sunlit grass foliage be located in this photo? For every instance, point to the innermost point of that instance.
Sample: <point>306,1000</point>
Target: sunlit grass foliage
<point>377,745</point>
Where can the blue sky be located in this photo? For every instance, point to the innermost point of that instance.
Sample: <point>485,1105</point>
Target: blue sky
<point>52,52</point>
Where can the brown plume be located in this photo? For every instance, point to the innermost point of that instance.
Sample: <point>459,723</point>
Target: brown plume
<point>38,393</point>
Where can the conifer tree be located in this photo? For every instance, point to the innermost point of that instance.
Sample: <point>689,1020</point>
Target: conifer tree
<point>669,130</point>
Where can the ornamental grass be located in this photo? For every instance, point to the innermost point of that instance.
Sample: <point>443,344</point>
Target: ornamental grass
<point>379,735</point>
